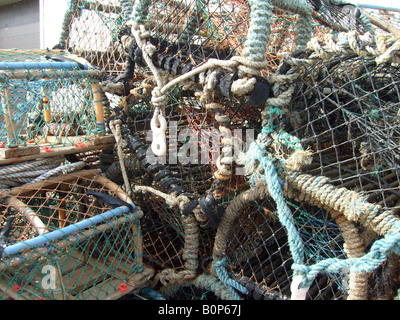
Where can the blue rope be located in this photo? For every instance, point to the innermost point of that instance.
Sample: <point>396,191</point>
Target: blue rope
<point>368,263</point>
<point>285,216</point>
<point>231,284</point>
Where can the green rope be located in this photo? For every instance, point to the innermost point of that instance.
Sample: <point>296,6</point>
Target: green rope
<point>140,10</point>
<point>72,11</point>
<point>258,35</point>
<point>260,168</point>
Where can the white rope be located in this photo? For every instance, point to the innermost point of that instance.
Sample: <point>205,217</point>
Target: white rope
<point>159,98</point>
<point>115,126</point>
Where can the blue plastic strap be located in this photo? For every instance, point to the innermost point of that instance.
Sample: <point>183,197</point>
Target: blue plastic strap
<point>54,235</point>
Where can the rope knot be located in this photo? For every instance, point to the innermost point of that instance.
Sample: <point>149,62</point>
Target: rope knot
<point>158,99</point>
<point>248,66</point>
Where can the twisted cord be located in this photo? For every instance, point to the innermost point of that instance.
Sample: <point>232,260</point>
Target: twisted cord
<point>353,247</point>
<point>363,45</point>
<point>317,191</point>
<point>59,170</point>
<point>25,172</point>
<point>272,181</point>
<point>232,212</point>
<point>140,10</point>
<point>232,285</point>
<point>365,264</point>
<point>303,29</point>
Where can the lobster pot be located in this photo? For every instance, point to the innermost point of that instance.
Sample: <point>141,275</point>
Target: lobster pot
<point>262,250</point>
<point>164,236</point>
<point>260,256</point>
<point>64,243</point>
<point>92,29</point>
<point>345,109</point>
<point>47,103</point>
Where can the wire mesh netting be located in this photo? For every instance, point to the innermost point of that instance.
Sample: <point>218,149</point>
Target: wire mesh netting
<point>259,138</point>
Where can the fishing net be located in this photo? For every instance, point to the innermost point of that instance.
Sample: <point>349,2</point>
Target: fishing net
<point>63,238</point>
<point>260,139</point>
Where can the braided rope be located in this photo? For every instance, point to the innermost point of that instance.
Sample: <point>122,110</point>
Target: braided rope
<point>258,35</point>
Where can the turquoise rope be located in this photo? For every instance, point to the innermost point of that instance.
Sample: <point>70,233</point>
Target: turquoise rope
<point>232,285</point>
<point>367,263</point>
<point>285,216</point>
<point>363,18</point>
